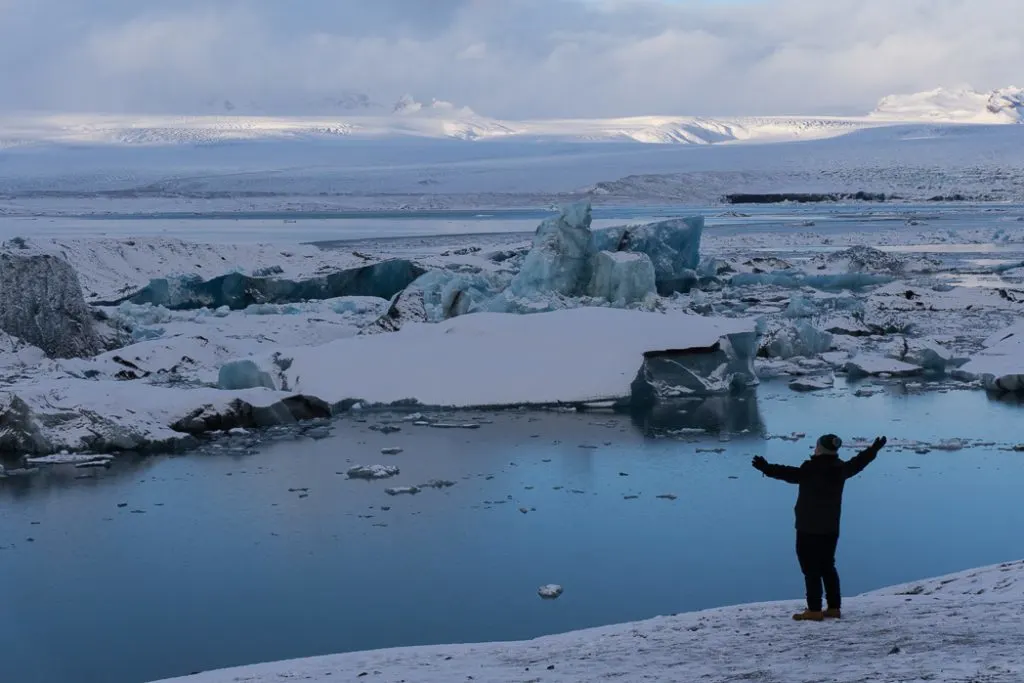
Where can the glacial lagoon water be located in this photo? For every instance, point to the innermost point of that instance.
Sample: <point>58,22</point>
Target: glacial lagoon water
<point>289,227</point>
<point>170,565</point>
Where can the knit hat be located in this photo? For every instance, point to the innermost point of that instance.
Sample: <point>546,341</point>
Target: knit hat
<point>830,443</point>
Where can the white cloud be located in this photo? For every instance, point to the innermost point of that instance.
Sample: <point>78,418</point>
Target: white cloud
<point>512,58</point>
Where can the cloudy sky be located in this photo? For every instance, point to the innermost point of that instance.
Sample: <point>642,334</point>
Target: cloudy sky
<point>505,58</point>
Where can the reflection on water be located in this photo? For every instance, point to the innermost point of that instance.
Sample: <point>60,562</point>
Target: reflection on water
<point>731,414</point>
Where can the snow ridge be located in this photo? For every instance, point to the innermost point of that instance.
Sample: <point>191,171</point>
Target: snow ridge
<point>958,105</point>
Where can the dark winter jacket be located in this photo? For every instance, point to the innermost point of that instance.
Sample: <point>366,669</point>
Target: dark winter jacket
<point>821,479</point>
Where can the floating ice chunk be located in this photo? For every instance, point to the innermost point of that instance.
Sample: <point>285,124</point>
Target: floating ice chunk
<point>243,374</point>
<point>490,359</point>
<point>143,314</point>
<point>402,490</point>
<point>863,259</point>
<point>802,339</point>
<point>622,277</point>
<point>724,367</point>
<point>950,445</point>
<point>868,365</point>
<point>372,472</point>
<point>559,261</point>
<point>925,353</point>
<point>1000,367</point>
<point>795,280</point>
<point>802,307</point>
<point>66,458</point>
<point>550,591</point>
<point>356,305</point>
<point>806,384</point>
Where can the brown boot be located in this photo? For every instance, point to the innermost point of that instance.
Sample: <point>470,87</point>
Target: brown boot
<point>809,615</point>
<point>833,613</point>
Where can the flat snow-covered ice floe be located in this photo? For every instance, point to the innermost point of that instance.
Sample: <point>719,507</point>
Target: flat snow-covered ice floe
<point>944,629</point>
<point>1000,366</point>
<point>572,356</point>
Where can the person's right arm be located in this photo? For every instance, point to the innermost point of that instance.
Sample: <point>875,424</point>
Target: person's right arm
<point>786,473</point>
<point>856,464</point>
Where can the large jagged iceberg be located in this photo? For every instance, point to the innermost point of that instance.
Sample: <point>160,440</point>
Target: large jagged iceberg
<point>620,265</point>
<point>41,303</point>
<point>559,261</point>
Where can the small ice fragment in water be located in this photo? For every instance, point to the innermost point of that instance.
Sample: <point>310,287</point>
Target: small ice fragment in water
<point>550,591</point>
<point>415,417</point>
<point>385,428</point>
<point>400,490</point>
<point>372,472</point>
<point>438,484</point>
<point>807,384</point>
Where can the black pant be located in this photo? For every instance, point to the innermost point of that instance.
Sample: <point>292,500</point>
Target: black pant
<point>817,555</point>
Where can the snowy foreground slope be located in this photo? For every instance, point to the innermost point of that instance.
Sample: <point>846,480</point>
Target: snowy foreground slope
<point>964,627</point>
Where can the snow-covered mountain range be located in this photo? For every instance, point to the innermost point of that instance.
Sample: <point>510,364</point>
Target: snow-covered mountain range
<point>356,115</point>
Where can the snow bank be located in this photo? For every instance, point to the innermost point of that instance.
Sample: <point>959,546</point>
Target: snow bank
<point>945,630</point>
<point>490,359</point>
<point>1000,367</point>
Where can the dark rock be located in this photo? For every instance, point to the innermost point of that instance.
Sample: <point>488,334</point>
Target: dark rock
<point>41,303</point>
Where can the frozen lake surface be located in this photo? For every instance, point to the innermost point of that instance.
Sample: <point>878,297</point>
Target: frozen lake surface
<point>169,565</point>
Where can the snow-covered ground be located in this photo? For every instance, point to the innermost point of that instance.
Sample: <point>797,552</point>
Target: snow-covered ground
<point>964,627</point>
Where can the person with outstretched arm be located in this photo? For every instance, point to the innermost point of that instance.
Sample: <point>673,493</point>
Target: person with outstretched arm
<point>818,509</point>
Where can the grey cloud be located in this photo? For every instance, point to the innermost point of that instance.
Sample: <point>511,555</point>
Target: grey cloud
<point>513,58</point>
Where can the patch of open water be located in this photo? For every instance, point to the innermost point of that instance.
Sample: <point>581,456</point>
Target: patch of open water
<point>169,565</point>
